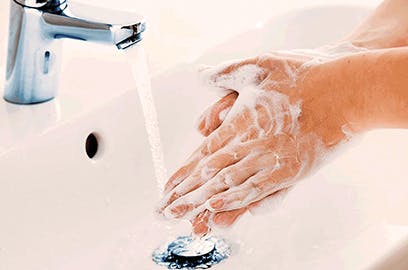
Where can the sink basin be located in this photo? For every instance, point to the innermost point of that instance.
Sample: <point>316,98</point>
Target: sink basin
<point>61,209</point>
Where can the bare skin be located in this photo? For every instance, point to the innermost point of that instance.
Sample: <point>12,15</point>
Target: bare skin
<point>386,27</point>
<point>238,167</point>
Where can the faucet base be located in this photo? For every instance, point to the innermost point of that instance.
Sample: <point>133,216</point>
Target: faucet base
<point>18,101</point>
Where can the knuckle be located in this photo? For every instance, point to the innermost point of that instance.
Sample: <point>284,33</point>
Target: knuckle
<point>264,57</point>
<point>204,150</point>
<point>257,186</point>
<point>227,179</point>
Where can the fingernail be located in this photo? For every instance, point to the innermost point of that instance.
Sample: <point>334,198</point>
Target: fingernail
<point>200,223</point>
<point>161,206</point>
<point>216,203</point>
<point>159,210</point>
<point>166,201</point>
<point>201,230</point>
<point>171,184</point>
<point>218,220</point>
<point>166,190</point>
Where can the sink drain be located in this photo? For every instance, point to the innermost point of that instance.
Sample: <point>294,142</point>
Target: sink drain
<point>188,253</point>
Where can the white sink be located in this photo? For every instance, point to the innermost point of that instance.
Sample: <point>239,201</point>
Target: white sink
<point>62,210</point>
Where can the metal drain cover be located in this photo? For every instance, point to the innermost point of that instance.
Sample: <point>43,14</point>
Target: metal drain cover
<point>188,253</point>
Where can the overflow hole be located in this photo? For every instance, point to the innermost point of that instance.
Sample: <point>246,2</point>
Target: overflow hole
<point>46,62</point>
<point>91,145</point>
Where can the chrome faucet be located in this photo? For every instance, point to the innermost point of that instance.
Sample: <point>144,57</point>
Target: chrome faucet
<point>36,30</point>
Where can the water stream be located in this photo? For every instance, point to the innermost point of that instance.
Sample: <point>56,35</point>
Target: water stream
<point>136,57</point>
<point>185,252</point>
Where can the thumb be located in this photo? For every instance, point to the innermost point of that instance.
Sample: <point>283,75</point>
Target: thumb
<point>233,75</point>
<point>214,116</point>
<point>270,203</point>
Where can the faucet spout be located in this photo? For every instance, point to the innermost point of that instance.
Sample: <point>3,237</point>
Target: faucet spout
<point>78,21</point>
<point>36,30</point>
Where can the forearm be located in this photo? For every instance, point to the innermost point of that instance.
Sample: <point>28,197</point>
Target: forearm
<point>373,87</point>
<point>386,89</point>
<point>386,27</point>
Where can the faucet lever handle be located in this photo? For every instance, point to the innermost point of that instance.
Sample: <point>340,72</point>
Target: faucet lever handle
<point>104,15</point>
<point>127,26</point>
<point>49,5</point>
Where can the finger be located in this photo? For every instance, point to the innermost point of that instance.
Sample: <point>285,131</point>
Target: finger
<point>227,219</point>
<point>255,188</point>
<point>276,61</point>
<point>270,203</point>
<point>181,174</point>
<point>235,75</point>
<point>226,67</point>
<point>240,127</point>
<point>204,222</point>
<point>201,225</point>
<point>228,177</point>
<point>211,144</point>
<point>213,117</point>
<point>232,129</point>
<point>206,170</point>
<point>294,55</point>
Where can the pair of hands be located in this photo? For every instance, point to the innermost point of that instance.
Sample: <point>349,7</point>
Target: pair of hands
<point>283,114</point>
<point>274,125</point>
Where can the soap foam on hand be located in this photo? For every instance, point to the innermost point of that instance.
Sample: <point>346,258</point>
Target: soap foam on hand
<point>266,109</point>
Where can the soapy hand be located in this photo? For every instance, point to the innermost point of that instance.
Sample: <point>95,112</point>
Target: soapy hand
<point>279,121</point>
<point>271,130</point>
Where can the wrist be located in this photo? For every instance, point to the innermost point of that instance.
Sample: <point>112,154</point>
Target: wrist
<point>330,103</point>
<point>371,88</point>
<point>344,88</point>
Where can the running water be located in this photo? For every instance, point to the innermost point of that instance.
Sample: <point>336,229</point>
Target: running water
<point>136,58</point>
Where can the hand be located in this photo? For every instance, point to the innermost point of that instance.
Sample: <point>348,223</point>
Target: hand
<point>284,121</point>
<point>363,36</point>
